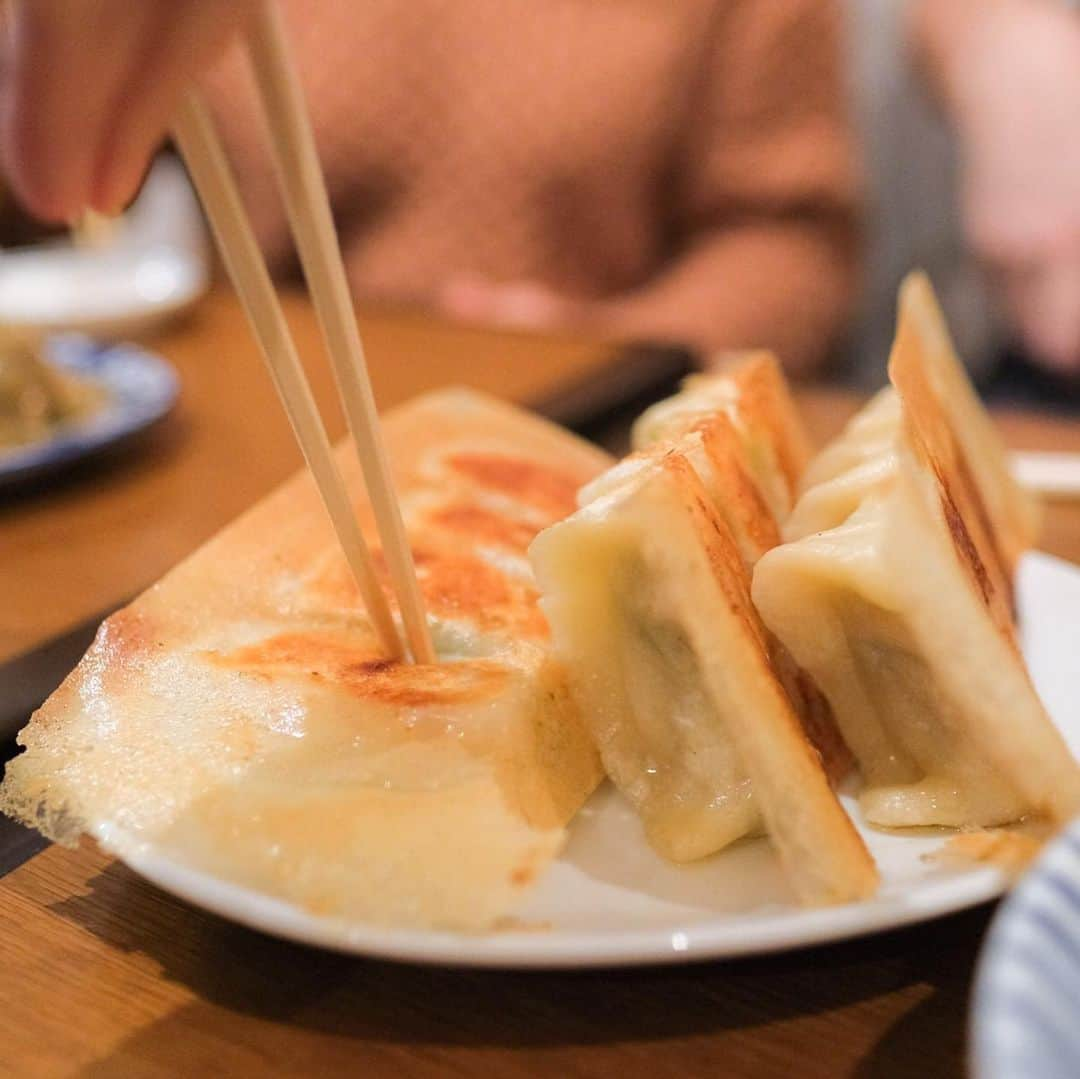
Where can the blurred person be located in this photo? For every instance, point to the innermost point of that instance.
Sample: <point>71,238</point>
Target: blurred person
<point>970,117</point>
<point>680,171</point>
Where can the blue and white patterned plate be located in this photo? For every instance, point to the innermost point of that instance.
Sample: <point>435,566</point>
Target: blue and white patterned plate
<point>1026,1014</point>
<point>139,389</point>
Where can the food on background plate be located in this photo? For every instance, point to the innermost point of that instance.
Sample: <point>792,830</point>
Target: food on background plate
<point>238,717</point>
<point>894,591</point>
<point>38,399</point>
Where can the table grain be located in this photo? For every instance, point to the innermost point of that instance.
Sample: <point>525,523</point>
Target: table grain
<point>102,974</point>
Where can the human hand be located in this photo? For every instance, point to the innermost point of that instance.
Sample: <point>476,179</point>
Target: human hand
<point>1009,73</point>
<point>89,88</point>
<point>520,304</point>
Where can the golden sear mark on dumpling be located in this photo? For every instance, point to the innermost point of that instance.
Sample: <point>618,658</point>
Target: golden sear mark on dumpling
<point>729,569</point>
<point>478,525</point>
<point>813,710</point>
<point>765,402</point>
<point>742,501</point>
<point>962,541</point>
<point>464,586</point>
<point>973,546</point>
<point>125,643</point>
<point>978,507</point>
<point>810,707</point>
<point>935,442</point>
<point>355,666</point>
<point>931,425</point>
<point>550,490</point>
<point>923,343</point>
<point>454,585</point>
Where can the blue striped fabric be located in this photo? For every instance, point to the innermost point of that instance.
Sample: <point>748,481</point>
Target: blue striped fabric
<point>1026,1013</point>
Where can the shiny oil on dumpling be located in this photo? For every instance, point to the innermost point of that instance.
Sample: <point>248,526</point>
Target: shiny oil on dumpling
<point>894,592</point>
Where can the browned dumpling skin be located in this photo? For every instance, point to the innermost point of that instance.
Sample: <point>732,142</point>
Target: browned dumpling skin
<point>749,388</point>
<point>239,718</point>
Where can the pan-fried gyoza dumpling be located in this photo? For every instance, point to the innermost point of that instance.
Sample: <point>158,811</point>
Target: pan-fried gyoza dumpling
<point>240,719</point>
<point>648,599</point>
<point>893,594</point>
<point>719,455</point>
<point>752,392</point>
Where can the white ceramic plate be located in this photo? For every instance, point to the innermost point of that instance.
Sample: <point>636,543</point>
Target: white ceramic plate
<point>1024,1019</point>
<point>610,901</point>
<point>153,268</point>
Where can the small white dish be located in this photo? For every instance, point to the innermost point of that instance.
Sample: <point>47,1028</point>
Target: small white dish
<point>1052,475</point>
<point>1024,1017</point>
<point>154,267</point>
<point>610,901</point>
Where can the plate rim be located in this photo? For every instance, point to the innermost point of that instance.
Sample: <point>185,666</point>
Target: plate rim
<point>728,937</point>
<point>126,317</point>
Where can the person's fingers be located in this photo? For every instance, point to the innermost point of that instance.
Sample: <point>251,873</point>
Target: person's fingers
<point>67,59</point>
<point>1007,222</point>
<point>1061,300</point>
<point>188,36</point>
<point>91,87</point>
<point>516,303</point>
<point>529,304</point>
<point>1046,307</point>
<point>466,297</point>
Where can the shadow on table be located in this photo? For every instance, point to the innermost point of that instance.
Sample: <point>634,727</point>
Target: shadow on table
<point>293,1001</point>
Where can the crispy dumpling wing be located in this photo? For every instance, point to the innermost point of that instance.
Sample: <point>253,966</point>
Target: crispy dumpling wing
<point>648,598</point>
<point>752,392</point>
<point>891,591</point>
<point>717,453</point>
<point>239,717</point>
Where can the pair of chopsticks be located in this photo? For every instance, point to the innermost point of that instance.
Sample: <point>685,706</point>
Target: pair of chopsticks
<point>307,203</point>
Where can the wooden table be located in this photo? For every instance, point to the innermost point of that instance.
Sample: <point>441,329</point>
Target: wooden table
<point>101,973</point>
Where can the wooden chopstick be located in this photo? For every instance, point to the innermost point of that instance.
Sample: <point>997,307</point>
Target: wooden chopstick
<point>213,177</point>
<point>306,200</point>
